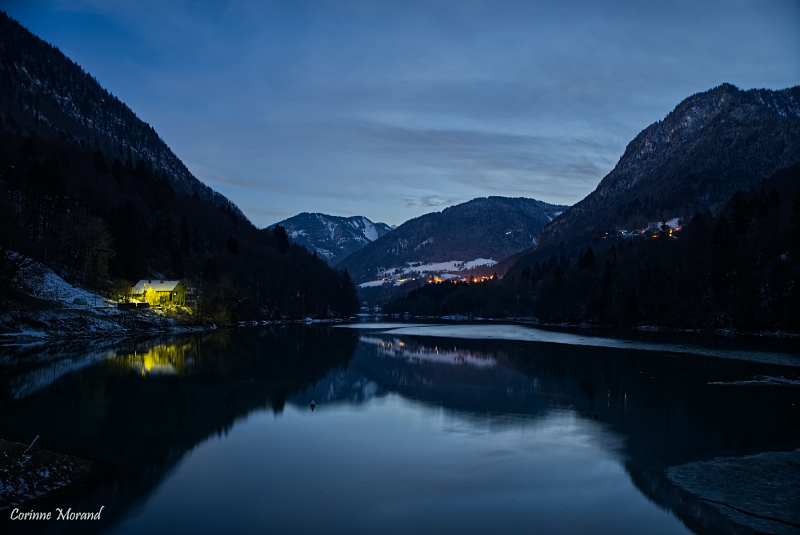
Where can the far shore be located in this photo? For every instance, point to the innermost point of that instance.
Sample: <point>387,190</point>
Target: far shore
<point>90,325</point>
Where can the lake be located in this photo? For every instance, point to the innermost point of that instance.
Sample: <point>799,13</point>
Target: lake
<point>416,428</point>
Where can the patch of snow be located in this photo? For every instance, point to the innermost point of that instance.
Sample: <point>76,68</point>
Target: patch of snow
<point>328,224</point>
<point>656,225</point>
<point>54,288</point>
<point>451,266</point>
<point>480,262</point>
<point>426,242</point>
<point>369,230</point>
<point>370,284</point>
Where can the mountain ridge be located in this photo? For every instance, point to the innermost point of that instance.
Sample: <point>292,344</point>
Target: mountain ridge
<point>104,215</point>
<point>710,145</point>
<point>485,227</point>
<point>332,237</point>
<point>70,103</point>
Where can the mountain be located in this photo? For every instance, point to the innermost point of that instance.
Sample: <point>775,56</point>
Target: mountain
<point>490,228</point>
<point>54,95</point>
<point>711,145</point>
<point>738,269</point>
<point>92,192</point>
<point>727,163</point>
<point>332,237</point>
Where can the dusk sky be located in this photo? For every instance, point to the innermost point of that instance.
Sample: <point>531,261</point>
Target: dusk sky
<point>394,109</point>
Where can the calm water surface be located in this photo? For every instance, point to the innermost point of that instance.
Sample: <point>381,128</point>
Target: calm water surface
<point>414,430</point>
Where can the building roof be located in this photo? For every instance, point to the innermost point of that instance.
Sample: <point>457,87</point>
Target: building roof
<point>157,285</point>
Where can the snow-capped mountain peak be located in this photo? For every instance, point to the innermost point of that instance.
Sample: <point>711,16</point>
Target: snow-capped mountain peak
<point>333,237</point>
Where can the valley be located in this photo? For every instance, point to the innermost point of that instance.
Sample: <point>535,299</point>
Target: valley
<point>703,201</point>
<point>400,267</point>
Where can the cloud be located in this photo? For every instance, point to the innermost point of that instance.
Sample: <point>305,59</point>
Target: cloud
<point>392,158</point>
<point>390,109</point>
<point>428,201</point>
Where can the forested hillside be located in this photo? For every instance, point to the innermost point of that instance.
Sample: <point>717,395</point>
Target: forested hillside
<point>739,269</point>
<point>713,144</point>
<point>491,227</point>
<point>49,92</point>
<point>93,192</point>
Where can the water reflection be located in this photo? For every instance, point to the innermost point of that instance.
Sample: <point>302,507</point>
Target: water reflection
<point>752,349</point>
<point>667,408</point>
<point>117,406</point>
<point>522,420</point>
<point>673,404</point>
<point>164,359</point>
<point>396,347</point>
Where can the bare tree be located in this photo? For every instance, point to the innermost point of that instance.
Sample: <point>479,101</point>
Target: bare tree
<point>13,267</point>
<point>122,290</point>
<point>17,271</point>
<point>93,247</point>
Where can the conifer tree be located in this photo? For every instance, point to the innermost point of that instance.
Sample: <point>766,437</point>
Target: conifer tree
<point>281,238</point>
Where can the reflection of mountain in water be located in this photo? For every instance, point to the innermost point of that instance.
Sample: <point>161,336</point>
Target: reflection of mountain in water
<point>115,410</point>
<point>396,347</point>
<point>339,385</point>
<point>140,406</point>
<point>660,403</point>
<point>352,385</point>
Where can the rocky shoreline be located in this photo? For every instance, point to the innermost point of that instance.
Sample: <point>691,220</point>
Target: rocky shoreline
<point>27,327</point>
<point>28,473</point>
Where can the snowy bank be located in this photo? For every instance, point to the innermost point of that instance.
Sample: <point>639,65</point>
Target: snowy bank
<point>72,311</point>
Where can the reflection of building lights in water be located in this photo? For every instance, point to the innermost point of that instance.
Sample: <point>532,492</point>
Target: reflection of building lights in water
<point>419,352</point>
<point>166,359</point>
